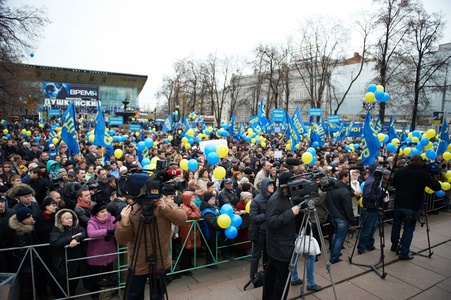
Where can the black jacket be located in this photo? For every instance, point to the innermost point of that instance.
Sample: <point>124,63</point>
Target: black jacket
<point>227,196</point>
<point>281,228</point>
<point>21,235</point>
<point>4,227</point>
<point>339,203</point>
<point>409,183</point>
<point>258,209</point>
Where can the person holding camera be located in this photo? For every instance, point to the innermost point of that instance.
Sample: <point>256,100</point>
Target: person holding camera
<point>409,183</point>
<point>166,213</point>
<point>280,237</point>
<point>373,195</point>
<point>339,204</point>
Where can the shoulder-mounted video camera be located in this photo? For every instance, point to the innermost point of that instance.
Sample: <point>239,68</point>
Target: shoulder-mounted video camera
<point>146,184</point>
<point>307,185</point>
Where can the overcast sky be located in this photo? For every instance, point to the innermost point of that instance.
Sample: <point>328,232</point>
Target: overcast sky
<point>146,37</point>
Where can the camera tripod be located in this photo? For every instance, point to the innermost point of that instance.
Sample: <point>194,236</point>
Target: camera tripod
<point>427,234</point>
<point>148,227</point>
<point>310,212</point>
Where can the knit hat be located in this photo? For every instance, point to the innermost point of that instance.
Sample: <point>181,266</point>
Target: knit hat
<point>285,177</point>
<point>208,196</point>
<point>46,202</point>
<point>62,172</point>
<point>97,208</point>
<point>23,213</point>
<point>24,191</point>
<point>244,195</point>
<point>32,166</point>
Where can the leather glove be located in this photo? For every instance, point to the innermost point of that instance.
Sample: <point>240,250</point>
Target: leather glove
<point>108,237</point>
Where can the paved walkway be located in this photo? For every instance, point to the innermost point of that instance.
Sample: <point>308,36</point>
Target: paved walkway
<point>420,278</point>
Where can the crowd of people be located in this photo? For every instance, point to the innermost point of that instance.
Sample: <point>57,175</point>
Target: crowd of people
<point>50,197</point>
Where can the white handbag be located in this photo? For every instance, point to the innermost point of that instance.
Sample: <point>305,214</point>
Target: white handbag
<point>306,244</point>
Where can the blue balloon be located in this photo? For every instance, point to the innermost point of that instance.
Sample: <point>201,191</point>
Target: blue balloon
<point>236,221</point>
<point>415,151</point>
<point>385,140</point>
<point>148,142</point>
<point>356,146</point>
<point>145,162</point>
<point>424,141</point>
<point>141,145</point>
<point>124,138</point>
<point>315,144</point>
<point>372,88</point>
<point>213,158</point>
<point>190,140</point>
<point>111,132</point>
<point>419,146</point>
<point>313,161</point>
<point>37,139</point>
<point>231,232</point>
<point>385,98</point>
<point>431,154</point>
<point>133,139</point>
<point>440,194</point>
<point>311,150</point>
<point>166,141</point>
<point>391,148</point>
<point>227,209</point>
<point>88,133</point>
<point>417,134</point>
<point>379,95</point>
<point>347,147</point>
<point>8,135</point>
<point>362,185</point>
<point>193,164</point>
<point>209,148</point>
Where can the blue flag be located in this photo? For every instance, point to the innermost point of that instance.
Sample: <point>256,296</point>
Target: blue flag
<point>443,138</point>
<point>317,134</point>
<point>370,142</point>
<point>69,131</point>
<point>167,125</point>
<point>391,130</point>
<point>101,133</point>
<point>293,133</point>
<point>262,115</point>
<point>378,127</point>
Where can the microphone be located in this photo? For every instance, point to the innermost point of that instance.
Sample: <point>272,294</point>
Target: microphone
<point>174,172</point>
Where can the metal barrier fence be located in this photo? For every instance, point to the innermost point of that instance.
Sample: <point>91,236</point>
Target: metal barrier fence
<point>432,204</point>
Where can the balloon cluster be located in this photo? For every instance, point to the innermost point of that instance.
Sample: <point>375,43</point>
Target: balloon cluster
<point>254,137</point>
<point>229,221</point>
<point>376,92</point>
<point>214,153</point>
<point>309,156</point>
<point>192,116</point>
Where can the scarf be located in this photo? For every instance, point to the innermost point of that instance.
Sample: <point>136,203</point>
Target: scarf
<point>82,204</point>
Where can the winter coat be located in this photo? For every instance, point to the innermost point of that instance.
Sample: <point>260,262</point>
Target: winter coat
<point>210,214</point>
<point>192,213</point>
<point>227,196</point>
<point>339,203</point>
<point>98,228</point>
<point>127,235</point>
<point>258,209</point>
<point>83,214</point>
<point>60,237</point>
<point>372,194</point>
<point>281,228</point>
<point>21,235</point>
<point>4,227</point>
<point>43,227</point>
<point>34,206</point>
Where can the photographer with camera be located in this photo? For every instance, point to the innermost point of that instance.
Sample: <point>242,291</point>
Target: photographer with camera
<point>373,194</point>
<point>339,204</point>
<point>409,182</point>
<point>166,212</point>
<point>280,237</point>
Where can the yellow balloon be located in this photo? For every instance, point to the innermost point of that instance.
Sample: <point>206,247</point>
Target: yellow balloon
<point>361,202</point>
<point>222,150</point>
<point>253,141</point>
<point>379,88</point>
<point>28,133</point>
<point>395,141</point>
<point>449,147</point>
<point>91,138</point>
<point>117,153</point>
<point>184,140</point>
<point>24,131</point>
<point>136,133</point>
<point>429,145</point>
<point>209,129</point>
<point>430,133</point>
<point>169,137</point>
<point>307,157</point>
<point>219,172</point>
<point>298,146</point>
<point>184,164</point>
<point>5,131</point>
<point>381,137</point>
<point>55,141</point>
<point>288,147</point>
<point>423,155</point>
<point>224,221</point>
<point>369,97</point>
<point>428,190</point>
<point>154,160</point>
<point>410,135</point>
<point>448,174</point>
<point>407,150</point>
<point>415,139</point>
<point>187,146</point>
<point>263,144</point>
<point>151,166</point>
<point>249,131</point>
<point>445,186</point>
<point>190,132</point>
<point>248,207</point>
<point>447,155</point>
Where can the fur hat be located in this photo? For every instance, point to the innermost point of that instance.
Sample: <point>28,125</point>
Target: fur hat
<point>23,213</point>
<point>244,195</point>
<point>97,208</point>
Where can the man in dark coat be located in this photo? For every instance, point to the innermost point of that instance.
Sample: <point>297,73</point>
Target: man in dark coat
<point>281,228</point>
<point>409,183</point>
<point>5,215</point>
<point>25,197</point>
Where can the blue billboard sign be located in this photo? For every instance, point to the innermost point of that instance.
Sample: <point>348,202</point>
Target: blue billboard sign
<point>116,121</point>
<point>315,112</point>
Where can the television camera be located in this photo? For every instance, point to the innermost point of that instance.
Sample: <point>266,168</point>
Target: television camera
<point>307,185</point>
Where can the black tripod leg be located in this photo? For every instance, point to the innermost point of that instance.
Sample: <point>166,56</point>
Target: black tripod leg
<point>362,221</point>
<point>427,232</point>
<point>382,244</point>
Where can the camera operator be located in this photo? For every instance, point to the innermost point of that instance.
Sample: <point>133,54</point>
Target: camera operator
<point>409,183</point>
<point>280,236</point>
<point>373,195</point>
<point>166,212</point>
<point>339,204</point>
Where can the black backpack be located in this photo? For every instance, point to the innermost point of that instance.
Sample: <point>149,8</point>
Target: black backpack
<point>257,280</point>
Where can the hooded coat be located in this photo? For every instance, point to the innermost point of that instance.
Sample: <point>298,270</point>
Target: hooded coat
<point>192,213</point>
<point>258,209</point>
<point>60,237</point>
<point>21,235</point>
<point>127,235</point>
